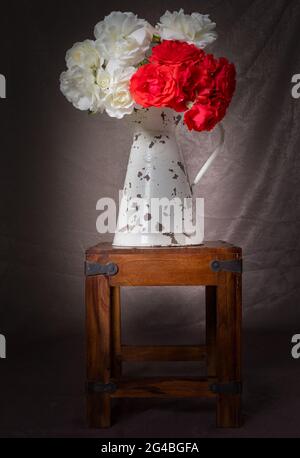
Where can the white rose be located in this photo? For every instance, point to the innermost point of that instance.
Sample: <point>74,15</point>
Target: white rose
<point>119,102</point>
<point>79,87</point>
<point>84,55</point>
<point>195,29</point>
<point>123,37</point>
<point>114,90</point>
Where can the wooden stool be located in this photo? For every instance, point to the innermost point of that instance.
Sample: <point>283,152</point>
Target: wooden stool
<point>216,265</point>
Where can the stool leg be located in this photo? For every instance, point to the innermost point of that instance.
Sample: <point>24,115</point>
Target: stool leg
<point>98,349</point>
<point>116,332</point>
<point>211,325</point>
<point>229,347</point>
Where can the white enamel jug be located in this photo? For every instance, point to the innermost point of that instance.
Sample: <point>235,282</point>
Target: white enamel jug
<point>157,187</point>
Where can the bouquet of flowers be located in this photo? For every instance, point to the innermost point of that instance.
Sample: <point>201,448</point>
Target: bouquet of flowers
<point>132,65</point>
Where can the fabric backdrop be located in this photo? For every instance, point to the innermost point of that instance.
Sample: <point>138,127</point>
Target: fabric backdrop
<point>56,162</point>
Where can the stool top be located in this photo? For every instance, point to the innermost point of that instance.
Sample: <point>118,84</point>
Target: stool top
<point>207,247</point>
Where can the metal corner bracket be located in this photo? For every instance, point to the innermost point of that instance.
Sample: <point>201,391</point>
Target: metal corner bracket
<point>227,388</point>
<point>94,268</point>
<point>99,387</point>
<point>229,265</point>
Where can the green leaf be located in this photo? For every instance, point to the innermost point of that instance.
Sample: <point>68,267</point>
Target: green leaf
<point>143,62</point>
<point>156,39</point>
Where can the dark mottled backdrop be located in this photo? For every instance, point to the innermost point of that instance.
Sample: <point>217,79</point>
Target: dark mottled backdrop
<point>56,162</point>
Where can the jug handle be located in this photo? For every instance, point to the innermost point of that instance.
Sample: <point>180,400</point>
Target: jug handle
<point>212,157</point>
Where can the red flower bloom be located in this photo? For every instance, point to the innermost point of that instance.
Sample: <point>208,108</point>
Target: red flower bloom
<point>180,73</point>
<point>205,114</point>
<point>207,69</point>
<point>216,88</point>
<point>187,79</point>
<point>200,117</point>
<point>176,53</point>
<point>153,86</point>
<point>225,79</point>
<point>210,64</point>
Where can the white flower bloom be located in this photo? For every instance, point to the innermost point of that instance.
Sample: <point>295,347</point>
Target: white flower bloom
<point>84,55</point>
<point>114,90</point>
<point>79,87</point>
<point>119,102</point>
<point>195,29</point>
<point>104,81</point>
<point>124,37</point>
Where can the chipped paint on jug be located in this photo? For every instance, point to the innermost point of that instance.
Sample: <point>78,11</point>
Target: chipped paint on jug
<point>156,172</point>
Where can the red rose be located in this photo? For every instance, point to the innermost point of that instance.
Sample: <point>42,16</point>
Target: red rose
<point>216,77</point>
<point>187,79</point>
<point>210,64</point>
<point>153,86</point>
<point>225,79</point>
<point>193,80</point>
<point>205,115</point>
<point>200,117</point>
<point>175,53</point>
<point>207,70</point>
<point>180,73</point>
<point>216,87</point>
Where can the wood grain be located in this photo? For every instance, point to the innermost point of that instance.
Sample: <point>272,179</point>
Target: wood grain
<point>163,388</point>
<point>163,353</point>
<point>163,267</point>
<point>228,347</point>
<point>98,348</point>
<point>211,324</point>
<point>116,331</point>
